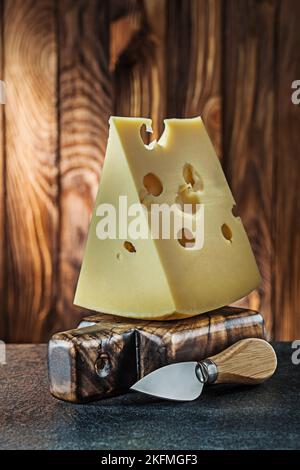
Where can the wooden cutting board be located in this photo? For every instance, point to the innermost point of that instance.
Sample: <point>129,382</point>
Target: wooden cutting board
<point>108,354</point>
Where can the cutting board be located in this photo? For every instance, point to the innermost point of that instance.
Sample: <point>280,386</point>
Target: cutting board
<point>106,354</point>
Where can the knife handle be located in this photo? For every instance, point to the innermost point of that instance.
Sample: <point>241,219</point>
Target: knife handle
<point>249,361</point>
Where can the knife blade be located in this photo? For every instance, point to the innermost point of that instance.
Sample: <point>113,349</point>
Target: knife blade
<point>249,361</point>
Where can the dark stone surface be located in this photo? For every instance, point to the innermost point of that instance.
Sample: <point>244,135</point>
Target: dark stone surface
<point>266,416</point>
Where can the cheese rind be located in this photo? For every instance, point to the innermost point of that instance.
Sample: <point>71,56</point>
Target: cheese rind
<point>162,279</point>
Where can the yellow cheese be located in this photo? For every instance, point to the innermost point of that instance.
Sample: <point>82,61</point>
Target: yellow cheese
<point>164,278</point>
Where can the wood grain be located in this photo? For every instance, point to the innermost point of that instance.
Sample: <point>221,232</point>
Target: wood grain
<point>109,354</point>
<point>193,58</point>
<point>31,172</point>
<point>84,110</point>
<point>3,316</point>
<point>139,78</point>
<point>286,222</point>
<point>249,361</point>
<point>248,130</point>
<point>68,65</point>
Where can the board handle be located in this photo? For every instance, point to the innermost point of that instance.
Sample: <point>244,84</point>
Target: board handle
<point>249,361</point>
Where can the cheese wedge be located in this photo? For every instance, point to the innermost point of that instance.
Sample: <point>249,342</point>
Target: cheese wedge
<point>164,278</point>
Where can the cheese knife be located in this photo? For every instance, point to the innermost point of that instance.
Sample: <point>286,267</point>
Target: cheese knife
<point>249,361</point>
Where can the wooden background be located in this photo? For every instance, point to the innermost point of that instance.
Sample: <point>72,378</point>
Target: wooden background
<point>69,65</point>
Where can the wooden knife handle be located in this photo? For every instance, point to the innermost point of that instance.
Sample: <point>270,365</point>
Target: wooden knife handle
<point>249,361</point>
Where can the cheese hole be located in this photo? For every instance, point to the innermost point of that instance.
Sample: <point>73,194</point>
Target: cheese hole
<point>129,247</point>
<point>234,211</point>
<point>186,238</point>
<point>119,256</point>
<point>192,177</point>
<point>153,184</point>
<point>145,135</point>
<point>187,196</point>
<point>227,233</point>
<point>146,199</point>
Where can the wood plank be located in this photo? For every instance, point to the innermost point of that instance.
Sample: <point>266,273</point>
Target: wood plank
<point>193,58</point>
<point>85,106</point>
<point>125,349</point>
<point>31,176</point>
<point>286,293</point>
<point>2,194</point>
<point>248,130</point>
<point>137,61</point>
